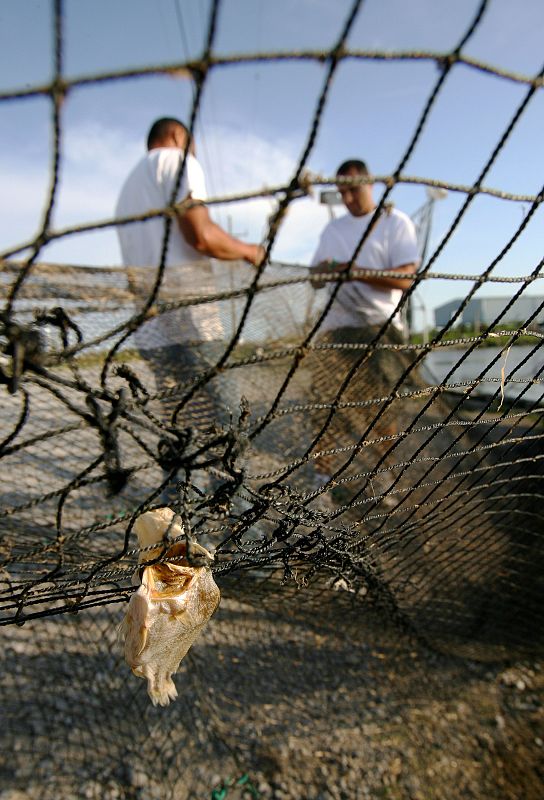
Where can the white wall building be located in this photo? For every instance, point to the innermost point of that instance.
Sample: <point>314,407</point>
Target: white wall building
<point>482,311</point>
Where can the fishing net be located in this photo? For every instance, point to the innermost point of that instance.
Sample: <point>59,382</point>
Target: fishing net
<point>377,530</point>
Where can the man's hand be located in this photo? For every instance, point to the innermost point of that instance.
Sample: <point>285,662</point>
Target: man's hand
<point>255,254</point>
<point>389,281</point>
<point>332,267</point>
<point>207,238</point>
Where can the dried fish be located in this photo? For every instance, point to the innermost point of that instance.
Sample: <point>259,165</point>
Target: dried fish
<point>175,599</point>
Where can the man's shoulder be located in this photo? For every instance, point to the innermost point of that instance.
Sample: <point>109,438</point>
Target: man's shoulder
<point>165,158</point>
<point>340,223</point>
<point>391,215</point>
<point>398,217</point>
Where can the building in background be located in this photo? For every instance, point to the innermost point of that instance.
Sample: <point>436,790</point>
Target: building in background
<point>482,311</point>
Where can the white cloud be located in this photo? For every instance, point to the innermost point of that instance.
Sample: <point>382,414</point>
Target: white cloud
<point>249,163</point>
<point>299,234</point>
<point>96,147</point>
<point>21,203</point>
<point>94,163</point>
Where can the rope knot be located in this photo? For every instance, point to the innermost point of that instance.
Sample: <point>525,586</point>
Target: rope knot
<point>171,449</point>
<point>106,424</point>
<point>26,347</point>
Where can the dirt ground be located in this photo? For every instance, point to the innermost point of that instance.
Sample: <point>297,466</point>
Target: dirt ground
<point>306,694</point>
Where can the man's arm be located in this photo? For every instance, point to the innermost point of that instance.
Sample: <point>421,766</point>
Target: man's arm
<point>201,232</point>
<point>386,282</point>
<point>380,282</point>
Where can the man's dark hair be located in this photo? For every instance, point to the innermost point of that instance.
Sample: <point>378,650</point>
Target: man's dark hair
<point>160,129</point>
<point>352,163</point>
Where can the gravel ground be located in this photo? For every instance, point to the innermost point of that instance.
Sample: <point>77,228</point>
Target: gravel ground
<point>309,694</point>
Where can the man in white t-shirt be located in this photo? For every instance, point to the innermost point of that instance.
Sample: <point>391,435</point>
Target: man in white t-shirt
<point>193,238</point>
<point>391,245</point>
<point>150,186</point>
<point>185,341</point>
<point>361,307</point>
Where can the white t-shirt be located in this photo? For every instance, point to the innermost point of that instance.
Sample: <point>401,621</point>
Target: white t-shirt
<point>391,243</point>
<point>150,186</point>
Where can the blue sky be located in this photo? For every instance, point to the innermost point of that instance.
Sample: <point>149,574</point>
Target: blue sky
<point>255,118</point>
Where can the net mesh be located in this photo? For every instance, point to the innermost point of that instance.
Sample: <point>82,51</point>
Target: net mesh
<point>377,533</point>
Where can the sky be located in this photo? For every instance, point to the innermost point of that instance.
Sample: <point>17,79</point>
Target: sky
<point>255,119</point>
